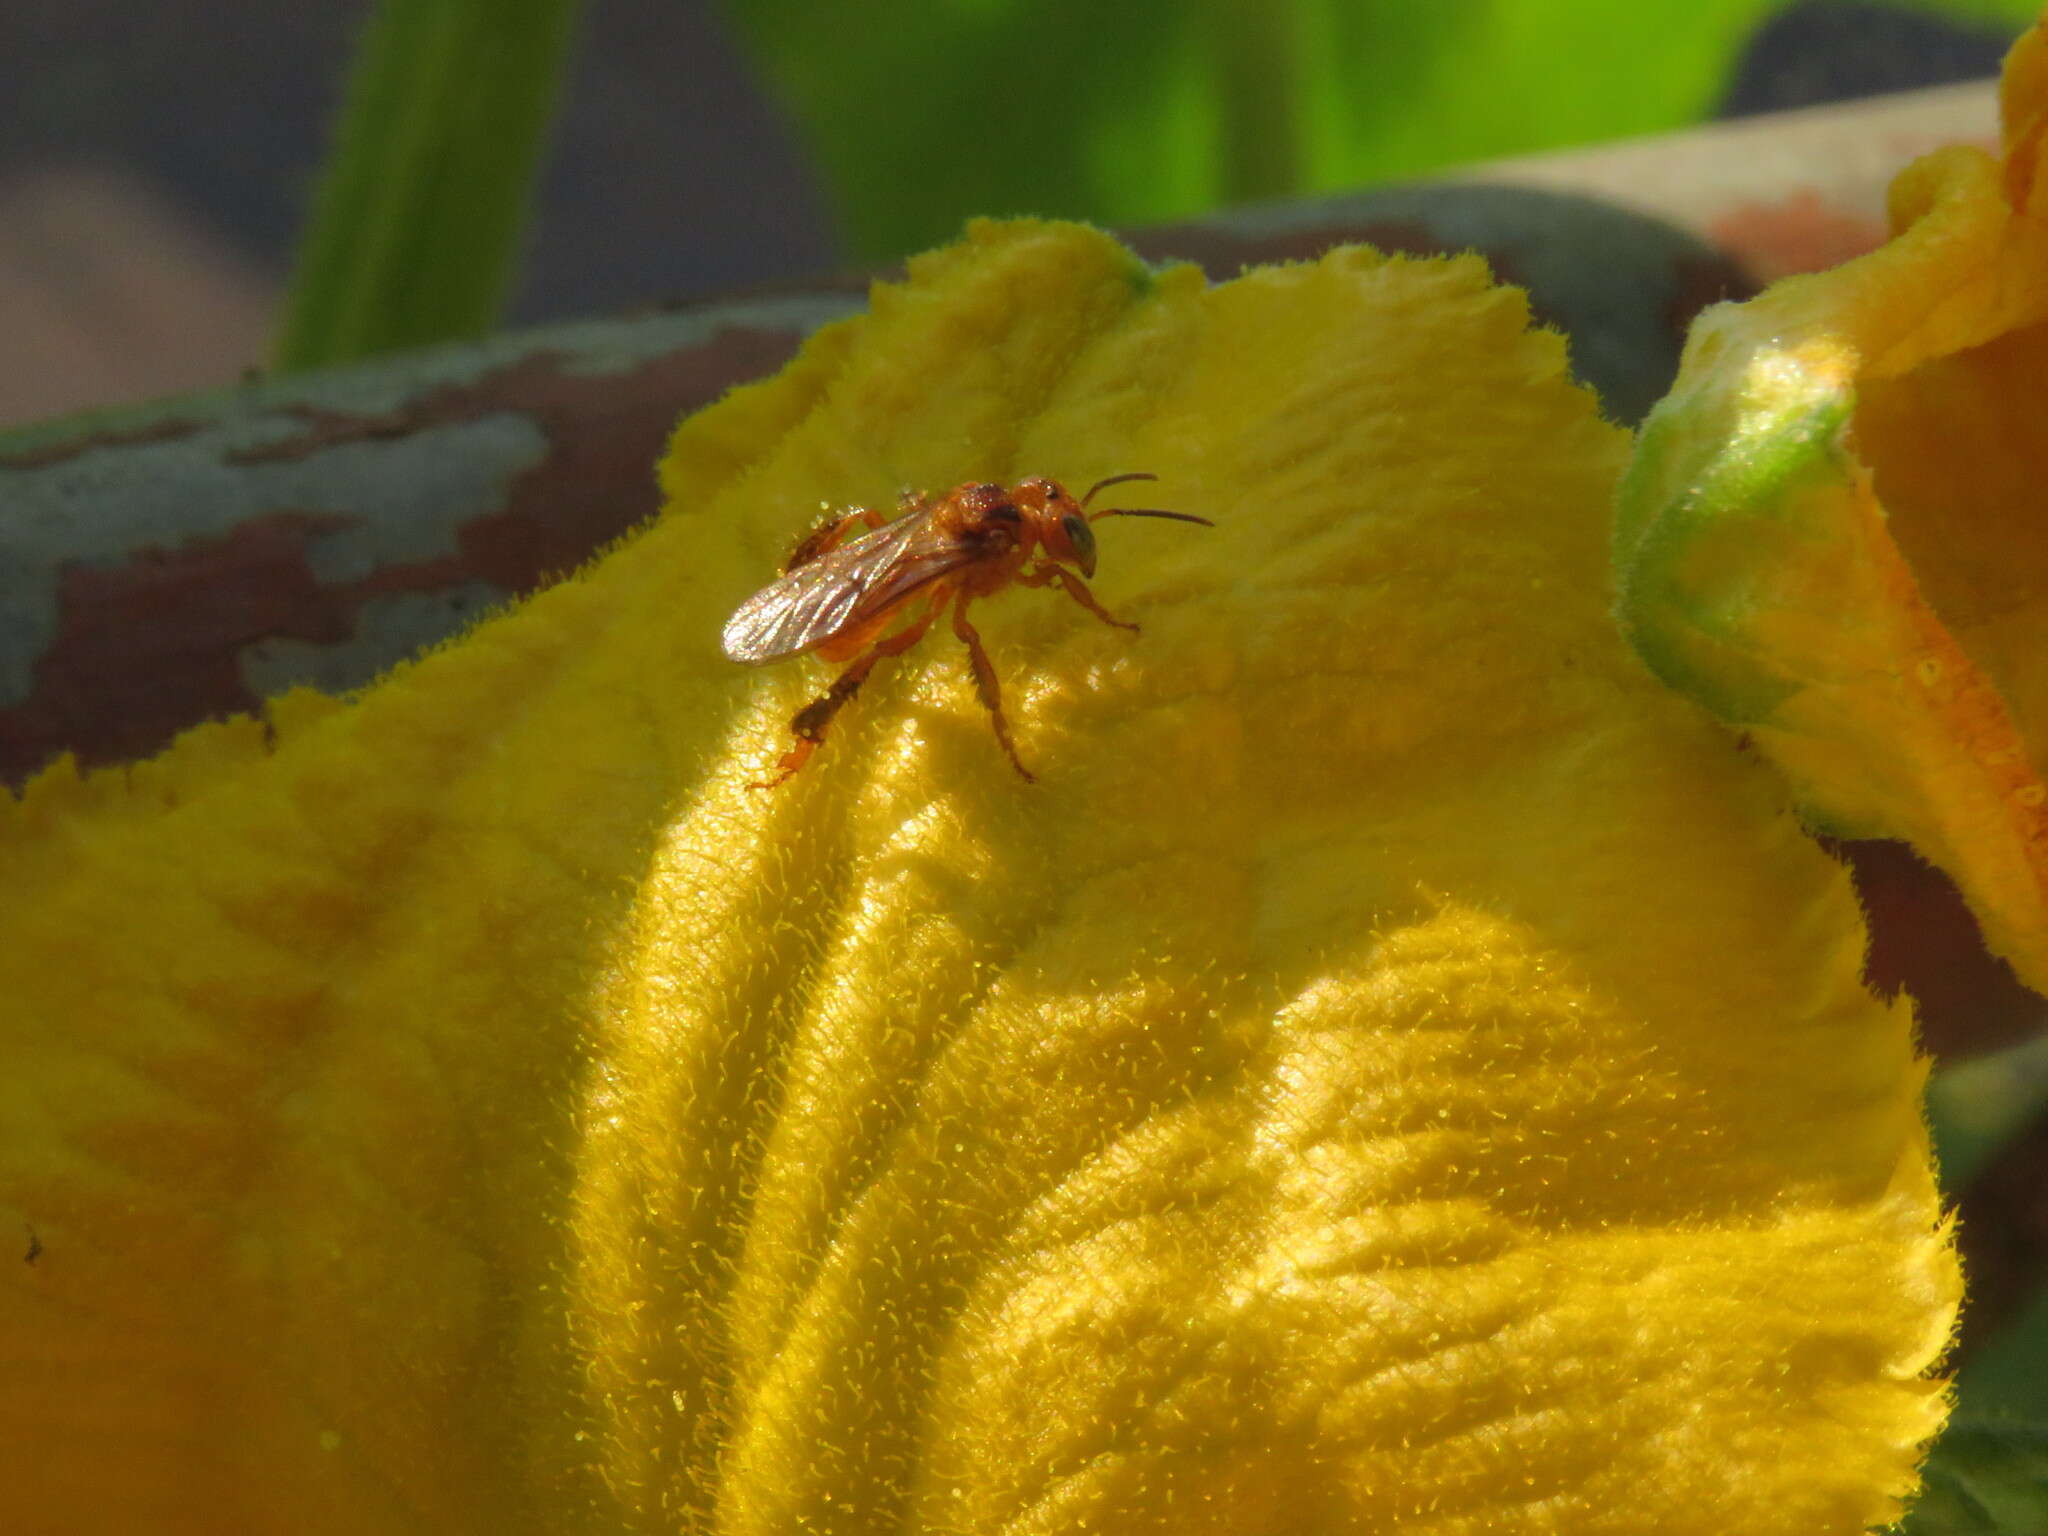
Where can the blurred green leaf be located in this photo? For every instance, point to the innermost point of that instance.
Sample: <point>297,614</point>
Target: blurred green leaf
<point>1977,1105</point>
<point>2008,1375</point>
<point>418,217</point>
<point>1985,1478</point>
<point>923,112</point>
<point>1154,109</point>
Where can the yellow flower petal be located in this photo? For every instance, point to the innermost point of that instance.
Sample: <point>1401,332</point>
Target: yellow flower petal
<point>1833,535</point>
<point>1316,1105</point>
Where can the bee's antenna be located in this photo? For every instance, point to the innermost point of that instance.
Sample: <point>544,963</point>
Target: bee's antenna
<point>1178,517</point>
<point>1103,485</point>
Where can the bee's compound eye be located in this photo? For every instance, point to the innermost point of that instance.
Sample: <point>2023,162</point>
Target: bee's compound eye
<point>1081,536</point>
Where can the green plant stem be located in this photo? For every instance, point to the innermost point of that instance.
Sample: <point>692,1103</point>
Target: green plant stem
<point>1258,94</point>
<point>420,211</point>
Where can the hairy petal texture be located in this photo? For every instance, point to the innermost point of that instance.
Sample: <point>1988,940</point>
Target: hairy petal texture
<point>1400,1069</point>
<point>1833,532</point>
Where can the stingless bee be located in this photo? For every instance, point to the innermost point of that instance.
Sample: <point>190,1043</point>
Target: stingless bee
<point>843,597</point>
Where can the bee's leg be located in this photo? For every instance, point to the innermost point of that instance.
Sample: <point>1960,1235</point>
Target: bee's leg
<point>828,536</point>
<point>812,721</point>
<point>1077,589</point>
<point>986,685</point>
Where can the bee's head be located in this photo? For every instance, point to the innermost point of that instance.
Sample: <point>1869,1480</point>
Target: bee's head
<point>1062,523</point>
<point>1063,529</point>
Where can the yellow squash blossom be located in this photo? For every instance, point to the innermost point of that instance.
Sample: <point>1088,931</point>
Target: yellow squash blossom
<point>1400,1068</point>
<point>1835,531</point>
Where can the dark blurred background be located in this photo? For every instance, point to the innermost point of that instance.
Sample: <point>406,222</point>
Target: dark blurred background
<point>155,161</point>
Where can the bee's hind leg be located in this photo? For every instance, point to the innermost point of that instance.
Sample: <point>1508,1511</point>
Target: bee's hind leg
<point>810,723</point>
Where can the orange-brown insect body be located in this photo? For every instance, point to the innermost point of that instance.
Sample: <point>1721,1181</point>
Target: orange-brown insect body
<point>843,598</point>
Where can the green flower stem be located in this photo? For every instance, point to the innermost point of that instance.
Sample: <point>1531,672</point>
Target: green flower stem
<point>419,214</point>
<point>1258,94</point>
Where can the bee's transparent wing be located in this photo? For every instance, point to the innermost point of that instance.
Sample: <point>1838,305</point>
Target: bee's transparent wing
<point>839,589</point>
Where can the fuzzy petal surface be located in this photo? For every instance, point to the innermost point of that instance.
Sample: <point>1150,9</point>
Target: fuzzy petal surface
<point>1399,1069</point>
